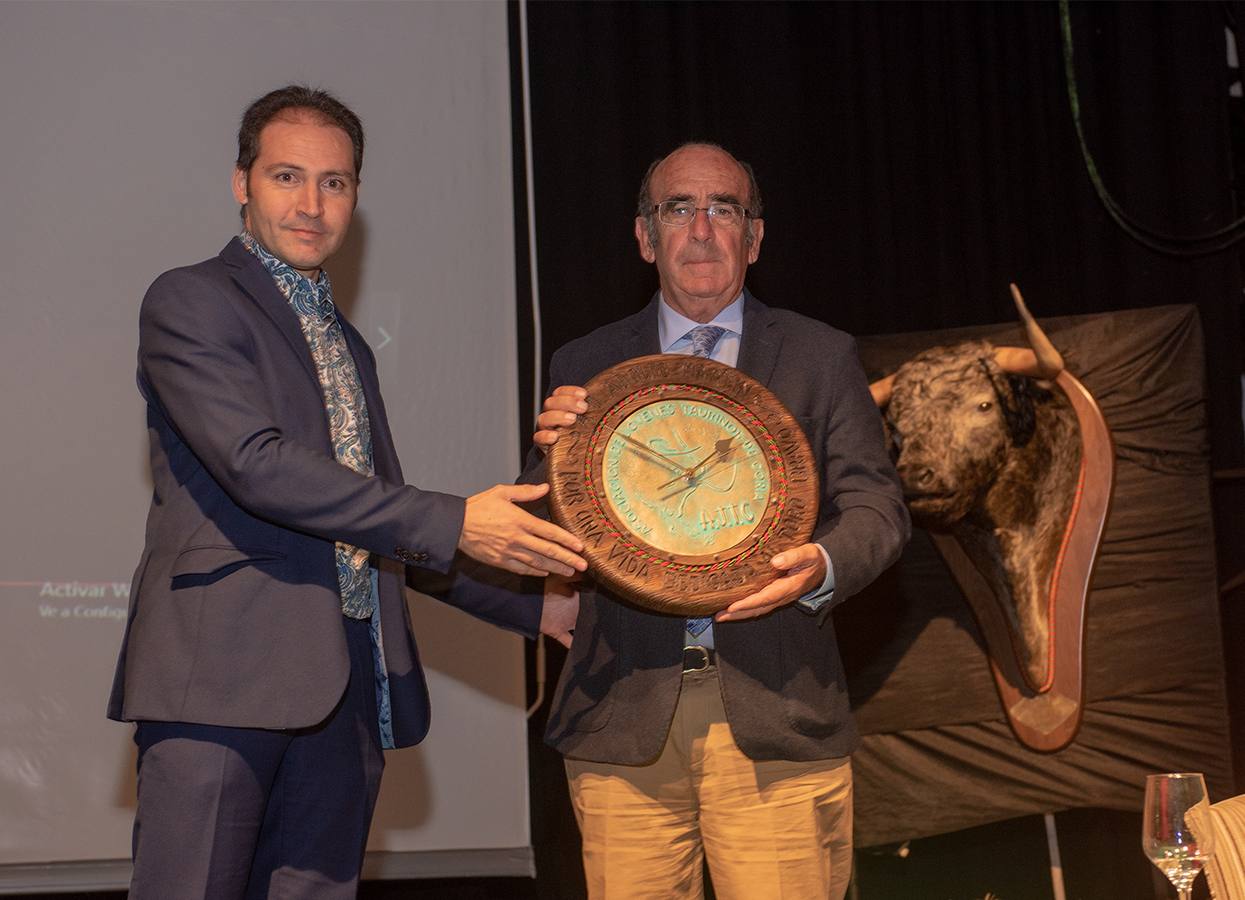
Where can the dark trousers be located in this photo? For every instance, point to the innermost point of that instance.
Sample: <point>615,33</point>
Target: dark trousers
<point>229,813</point>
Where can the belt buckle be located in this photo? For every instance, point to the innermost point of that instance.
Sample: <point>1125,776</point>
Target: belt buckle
<point>694,650</point>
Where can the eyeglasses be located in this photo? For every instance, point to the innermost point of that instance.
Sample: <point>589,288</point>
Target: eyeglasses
<point>682,212</point>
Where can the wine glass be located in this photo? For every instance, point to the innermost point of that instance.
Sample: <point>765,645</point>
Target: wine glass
<point>1177,833</point>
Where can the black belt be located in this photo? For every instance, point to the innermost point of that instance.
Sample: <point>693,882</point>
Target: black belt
<point>697,658</point>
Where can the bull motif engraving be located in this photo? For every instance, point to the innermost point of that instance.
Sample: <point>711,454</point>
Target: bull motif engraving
<point>989,445</point>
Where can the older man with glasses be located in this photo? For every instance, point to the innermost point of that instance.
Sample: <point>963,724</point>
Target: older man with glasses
<point>724,740</point>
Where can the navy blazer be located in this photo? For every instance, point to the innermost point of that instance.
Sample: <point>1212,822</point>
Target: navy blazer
<point>235,610</point>
<point>781,676</point>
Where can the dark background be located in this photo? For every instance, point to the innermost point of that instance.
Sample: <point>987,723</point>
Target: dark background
<point>914,158</point>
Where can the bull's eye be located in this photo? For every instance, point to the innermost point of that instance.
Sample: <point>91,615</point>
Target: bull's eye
<point>985,406</point>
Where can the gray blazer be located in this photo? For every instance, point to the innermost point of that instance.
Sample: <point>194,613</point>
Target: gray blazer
<point>781,676</point>
<point>235,613</point>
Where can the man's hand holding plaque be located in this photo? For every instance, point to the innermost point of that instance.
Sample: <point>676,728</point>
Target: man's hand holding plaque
<point>692,488</point>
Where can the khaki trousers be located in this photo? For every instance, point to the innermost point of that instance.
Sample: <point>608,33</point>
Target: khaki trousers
<point>770,830</point>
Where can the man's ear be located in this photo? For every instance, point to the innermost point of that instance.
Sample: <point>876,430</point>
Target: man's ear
<point>647,250</point>
<point>239,186</point>
<point>758,232</point>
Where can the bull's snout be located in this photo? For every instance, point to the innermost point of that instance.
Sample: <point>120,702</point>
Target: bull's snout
<point>932,491</point>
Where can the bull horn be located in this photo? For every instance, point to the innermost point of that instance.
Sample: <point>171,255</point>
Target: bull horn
<point>881,390</point>
<point>1042,361</point>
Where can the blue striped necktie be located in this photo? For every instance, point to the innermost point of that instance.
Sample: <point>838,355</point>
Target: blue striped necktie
<point>704,338</point>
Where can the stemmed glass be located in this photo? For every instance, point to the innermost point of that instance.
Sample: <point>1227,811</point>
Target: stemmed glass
<point>1177,833</point>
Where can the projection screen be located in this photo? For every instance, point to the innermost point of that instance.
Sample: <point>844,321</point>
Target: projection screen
<point>119,134</point>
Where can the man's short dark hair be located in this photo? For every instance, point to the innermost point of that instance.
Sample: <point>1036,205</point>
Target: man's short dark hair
<point>322,106</point>
<point>644,206</point>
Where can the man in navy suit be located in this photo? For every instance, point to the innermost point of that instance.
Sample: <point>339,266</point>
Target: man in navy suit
<point>268,655</point>
<point>728,742</point>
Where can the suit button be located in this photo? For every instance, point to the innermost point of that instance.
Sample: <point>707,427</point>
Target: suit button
<point>408,556</point>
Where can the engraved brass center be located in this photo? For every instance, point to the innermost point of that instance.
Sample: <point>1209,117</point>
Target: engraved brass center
<point>686,477</point>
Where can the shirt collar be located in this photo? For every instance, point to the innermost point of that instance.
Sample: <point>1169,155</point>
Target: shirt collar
<point>306,296</point>
<point>673,326</point>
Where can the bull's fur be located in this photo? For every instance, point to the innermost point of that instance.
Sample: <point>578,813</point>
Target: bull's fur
<point>993,459</point>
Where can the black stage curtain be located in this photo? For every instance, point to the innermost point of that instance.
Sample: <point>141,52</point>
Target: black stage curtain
<point>914,158</point>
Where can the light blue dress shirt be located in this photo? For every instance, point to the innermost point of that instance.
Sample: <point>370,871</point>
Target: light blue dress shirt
<point>672,329</point>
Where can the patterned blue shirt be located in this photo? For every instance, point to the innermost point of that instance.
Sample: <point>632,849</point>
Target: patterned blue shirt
<point>344,404</point>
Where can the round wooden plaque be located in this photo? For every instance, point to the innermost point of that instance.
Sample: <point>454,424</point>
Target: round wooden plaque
<point>683,479</point>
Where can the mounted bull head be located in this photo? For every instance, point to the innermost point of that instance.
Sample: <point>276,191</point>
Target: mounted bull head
<point>988,453</point>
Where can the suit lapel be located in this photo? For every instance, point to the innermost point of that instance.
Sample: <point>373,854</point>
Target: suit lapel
<point>251,276</point>
<point>644,339</point>
<point>762,342</point>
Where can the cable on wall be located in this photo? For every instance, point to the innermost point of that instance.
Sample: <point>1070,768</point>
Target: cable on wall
<point>528,170</point>
<point>1174,245</point>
